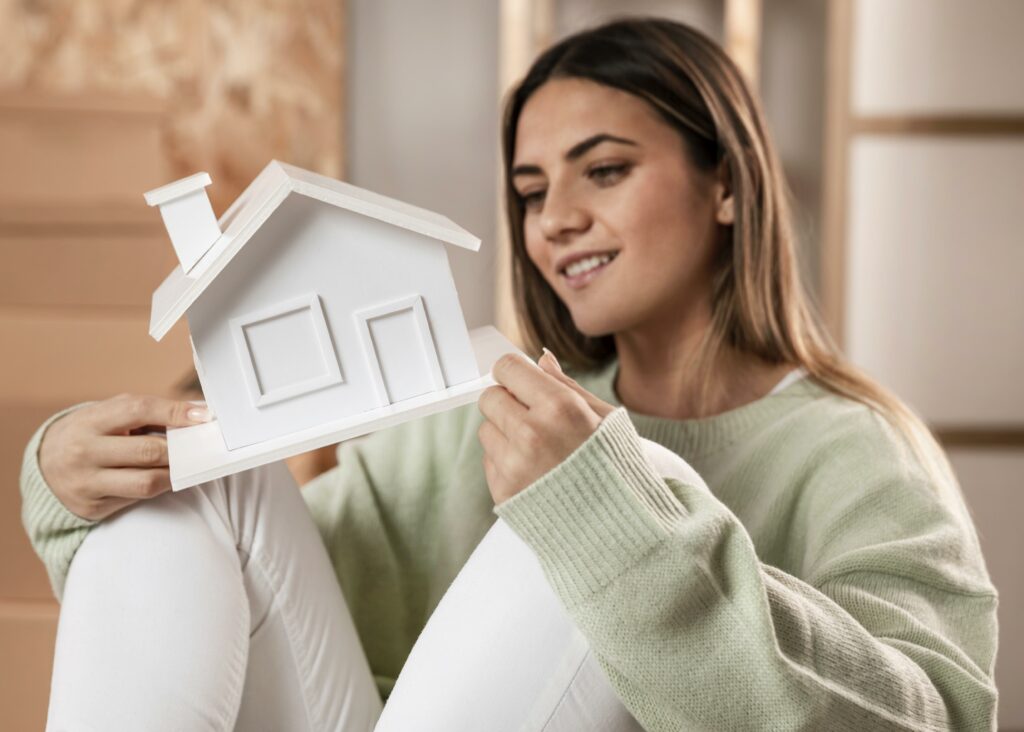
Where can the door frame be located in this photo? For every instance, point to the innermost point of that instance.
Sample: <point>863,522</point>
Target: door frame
<point>419,314</point>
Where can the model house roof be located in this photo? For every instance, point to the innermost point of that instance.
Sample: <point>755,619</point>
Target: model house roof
<point>249,212</point>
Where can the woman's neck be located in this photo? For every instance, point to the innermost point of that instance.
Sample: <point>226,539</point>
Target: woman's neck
<point>657,375</point>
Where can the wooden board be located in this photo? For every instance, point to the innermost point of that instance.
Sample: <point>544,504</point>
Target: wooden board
<point>77,152</point>
<point>62,357</point>
<point>105,270</point>
<point>27,634</point>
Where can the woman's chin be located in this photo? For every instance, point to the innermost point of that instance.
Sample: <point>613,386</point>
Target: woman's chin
<point>595,325</point>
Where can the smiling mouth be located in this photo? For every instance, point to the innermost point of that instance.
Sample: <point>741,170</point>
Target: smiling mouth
<point>582,271</point>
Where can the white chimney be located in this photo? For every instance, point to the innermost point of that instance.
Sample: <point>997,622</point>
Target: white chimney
<point>188,217</point>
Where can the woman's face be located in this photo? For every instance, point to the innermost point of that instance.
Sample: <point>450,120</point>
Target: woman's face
<point>617,219</point>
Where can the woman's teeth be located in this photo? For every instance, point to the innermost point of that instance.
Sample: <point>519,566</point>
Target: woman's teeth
<point>585,265</point>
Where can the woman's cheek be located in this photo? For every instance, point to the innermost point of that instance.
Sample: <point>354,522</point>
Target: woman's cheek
<point>542,261</point>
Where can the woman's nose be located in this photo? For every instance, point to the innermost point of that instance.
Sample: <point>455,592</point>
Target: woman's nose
<point>562,217</point>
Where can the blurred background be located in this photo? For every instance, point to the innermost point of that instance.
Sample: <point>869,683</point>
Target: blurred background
<point>901,126</point>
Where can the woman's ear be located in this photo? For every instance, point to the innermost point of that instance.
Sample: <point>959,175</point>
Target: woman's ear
<point>725,214</point>
<point>725,211</point>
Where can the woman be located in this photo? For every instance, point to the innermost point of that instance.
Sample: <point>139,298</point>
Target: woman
<point>810,565</point>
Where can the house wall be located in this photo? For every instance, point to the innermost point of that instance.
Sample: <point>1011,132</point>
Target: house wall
<point>352,262</point>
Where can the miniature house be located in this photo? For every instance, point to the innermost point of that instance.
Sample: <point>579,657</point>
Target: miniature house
<point>311,300</point>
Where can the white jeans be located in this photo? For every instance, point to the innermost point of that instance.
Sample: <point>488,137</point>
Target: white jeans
<point>216,608</point>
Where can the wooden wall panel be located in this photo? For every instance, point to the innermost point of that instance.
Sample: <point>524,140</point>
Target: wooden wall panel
<point>66,358</point>
<point>100,102</point>
<point>92,269</point>
<point>243,81</point>
<point>64,156</point>
<point>27,632</point>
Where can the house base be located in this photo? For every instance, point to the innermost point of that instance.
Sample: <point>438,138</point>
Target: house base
<point>197,454</point>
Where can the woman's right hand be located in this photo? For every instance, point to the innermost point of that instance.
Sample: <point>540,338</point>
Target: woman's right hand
<point>108,455</point>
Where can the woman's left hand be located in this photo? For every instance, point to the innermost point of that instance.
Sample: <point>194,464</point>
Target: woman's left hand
<point>533,420</point>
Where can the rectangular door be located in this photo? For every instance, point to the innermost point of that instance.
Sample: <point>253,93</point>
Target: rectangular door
<point>400,350</point>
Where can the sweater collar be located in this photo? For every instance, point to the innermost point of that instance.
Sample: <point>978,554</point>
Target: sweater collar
<point>698,437</point>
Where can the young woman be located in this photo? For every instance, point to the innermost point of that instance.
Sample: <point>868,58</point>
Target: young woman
<point>799,557</point>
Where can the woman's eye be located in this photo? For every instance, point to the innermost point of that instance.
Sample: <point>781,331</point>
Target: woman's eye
<point>532,200</point>
<point>608,174</point>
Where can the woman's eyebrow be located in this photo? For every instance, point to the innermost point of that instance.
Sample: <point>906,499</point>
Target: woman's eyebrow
<point>527,170</point>
<point>581,148</point>
<point>575,152</point>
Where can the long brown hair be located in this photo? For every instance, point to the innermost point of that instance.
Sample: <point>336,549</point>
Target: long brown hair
<point>759,305</point>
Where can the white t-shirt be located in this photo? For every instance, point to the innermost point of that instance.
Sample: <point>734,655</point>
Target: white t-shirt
<point>794,375</point>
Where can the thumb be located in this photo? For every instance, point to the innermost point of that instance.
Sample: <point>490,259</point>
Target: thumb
<point>550,365</point>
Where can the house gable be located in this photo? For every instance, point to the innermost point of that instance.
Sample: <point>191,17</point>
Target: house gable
<point>254,207</point>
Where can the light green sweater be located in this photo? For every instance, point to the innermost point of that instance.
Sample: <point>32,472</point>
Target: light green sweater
<point>826,583</point>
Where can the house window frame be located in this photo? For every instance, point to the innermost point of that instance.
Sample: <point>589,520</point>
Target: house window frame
<point>332,369</point>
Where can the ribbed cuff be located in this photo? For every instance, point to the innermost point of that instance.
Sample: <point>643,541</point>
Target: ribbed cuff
<point>41,510</point>
<point>597,513</point>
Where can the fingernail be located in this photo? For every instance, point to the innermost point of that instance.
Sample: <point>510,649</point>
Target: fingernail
<point>198,414</point>
<point>553,359</point>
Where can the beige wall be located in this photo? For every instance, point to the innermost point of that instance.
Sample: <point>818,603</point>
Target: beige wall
<point>935,254</point>
<point>423,120</point>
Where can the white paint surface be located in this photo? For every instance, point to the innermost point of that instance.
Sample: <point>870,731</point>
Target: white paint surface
<point>935,274</point>
<point>935,56</point>
<point>403,363</point>
<point>351,262</point>
<point>197,454</point>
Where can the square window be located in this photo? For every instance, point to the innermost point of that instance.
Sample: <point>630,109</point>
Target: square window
<point>286,351</point>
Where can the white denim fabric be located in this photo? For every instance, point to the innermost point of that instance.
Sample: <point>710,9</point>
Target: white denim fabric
<point>216,608</point>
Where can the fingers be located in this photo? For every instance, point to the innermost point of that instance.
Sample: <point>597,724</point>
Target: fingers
<point>135,483</point>
<point>528,383</point>
<point>550,364</point>
<point>106,491</point>
<point>548,359</point>
<point>492,440</point>
<point>131,411</point>
<point>500,407</point>
<point>143,451</point>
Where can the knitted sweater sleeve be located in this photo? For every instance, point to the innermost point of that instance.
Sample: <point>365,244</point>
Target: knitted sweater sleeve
<point>54,532</point>
<point>892,626</point>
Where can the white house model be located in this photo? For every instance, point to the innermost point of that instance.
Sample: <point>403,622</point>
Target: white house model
<point>316,309</point>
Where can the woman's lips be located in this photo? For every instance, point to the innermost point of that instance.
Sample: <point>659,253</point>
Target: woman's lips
<point>582,279</point>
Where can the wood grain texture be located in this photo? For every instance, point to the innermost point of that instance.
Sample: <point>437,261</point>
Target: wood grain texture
<point>92,269</point>
<point>1007,437</point>
<point>74,153</point>
<point>971,125</point>
<point>27,634</point>
<point>243,81</point>
<point>100,102</point>
<point>64,357</point>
